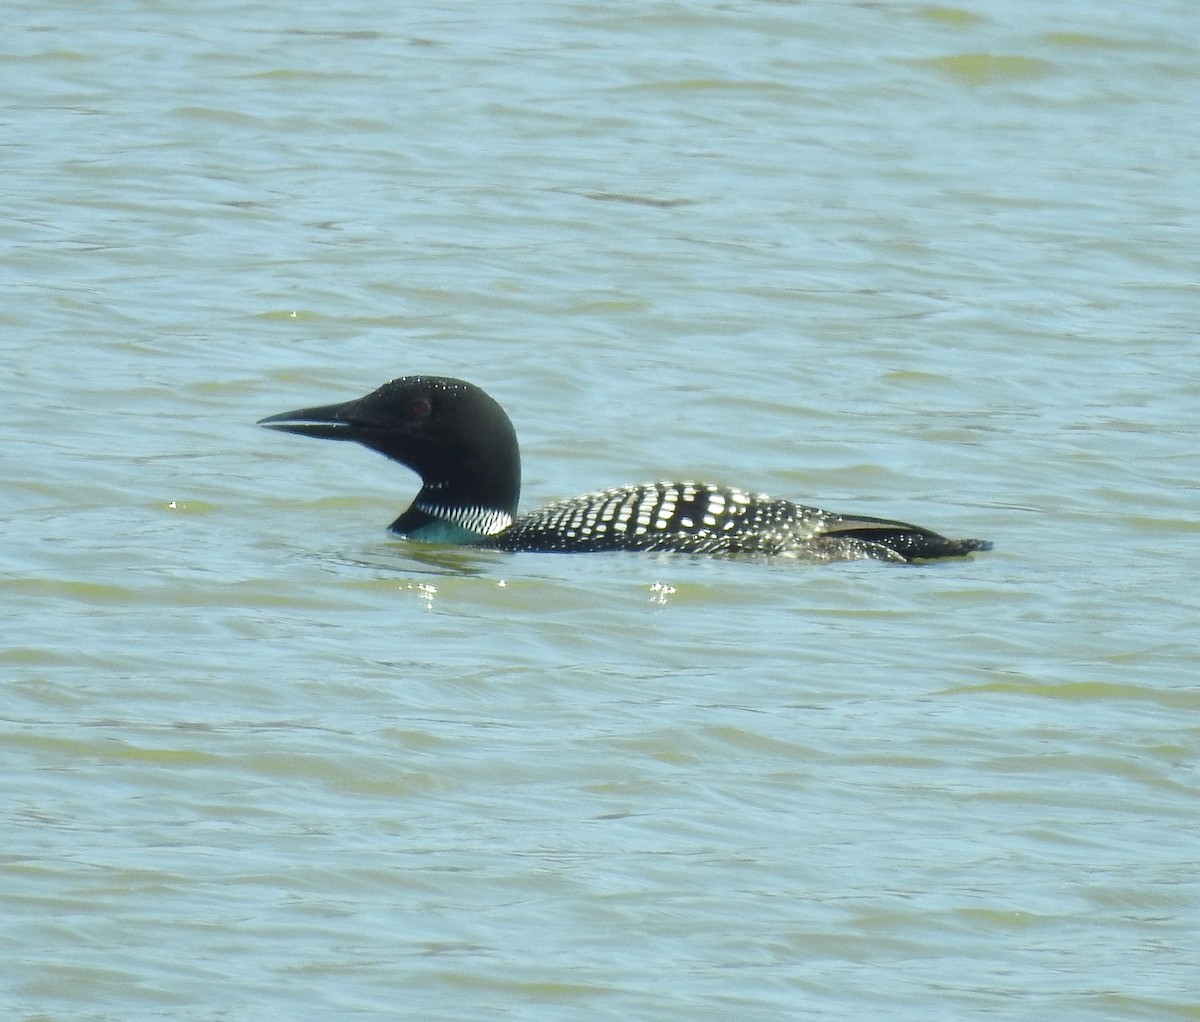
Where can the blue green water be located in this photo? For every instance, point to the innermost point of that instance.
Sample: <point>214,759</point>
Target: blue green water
<point>261,761</point>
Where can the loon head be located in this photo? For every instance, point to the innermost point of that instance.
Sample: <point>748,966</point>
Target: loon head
<point>453,435</point>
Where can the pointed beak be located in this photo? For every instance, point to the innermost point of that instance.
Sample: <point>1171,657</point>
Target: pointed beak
<point>326,422</point>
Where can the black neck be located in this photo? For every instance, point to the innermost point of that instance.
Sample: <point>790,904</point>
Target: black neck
<point>434,519</point>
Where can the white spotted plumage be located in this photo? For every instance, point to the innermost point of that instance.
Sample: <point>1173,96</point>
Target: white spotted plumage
<point>687,517</point>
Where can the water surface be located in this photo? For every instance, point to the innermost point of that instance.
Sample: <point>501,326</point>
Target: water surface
<point>934,263</point>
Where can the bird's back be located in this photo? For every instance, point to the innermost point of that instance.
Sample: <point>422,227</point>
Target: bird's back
<point>702,518</point>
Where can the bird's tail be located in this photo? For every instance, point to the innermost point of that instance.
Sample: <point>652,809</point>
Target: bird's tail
<point>901,541</point>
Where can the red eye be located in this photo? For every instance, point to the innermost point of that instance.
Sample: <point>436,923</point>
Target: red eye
<point>419,407</point>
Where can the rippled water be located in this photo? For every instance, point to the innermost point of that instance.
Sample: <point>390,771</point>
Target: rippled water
<point>936,263</point>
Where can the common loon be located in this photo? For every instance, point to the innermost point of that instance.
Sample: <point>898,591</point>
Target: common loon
<point>463,446</point>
